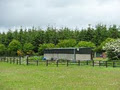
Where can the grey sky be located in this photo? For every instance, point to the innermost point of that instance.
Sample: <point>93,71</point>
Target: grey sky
<point>59,13</point>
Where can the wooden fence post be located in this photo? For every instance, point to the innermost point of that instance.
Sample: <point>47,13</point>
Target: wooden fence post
<point>78,62</point>
<point>113,63</point>
<point>46,62</point>
<point>1,59</point>
<point>99,63</point>
<point>4,59</point>
<point>106,64</point>
<point>10,60</point>
<point>57,63</point>
<point>17,62</point>
<point>37,62</point>
<point>20,60</point>
<point>27,61</point>
<point>67,62</point>
<point>13,60</point>
<point>87,62</point>
<point>7,59</point>
<point>93,63</point>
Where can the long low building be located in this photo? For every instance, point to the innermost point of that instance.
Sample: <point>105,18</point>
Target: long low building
<point>73,54</point>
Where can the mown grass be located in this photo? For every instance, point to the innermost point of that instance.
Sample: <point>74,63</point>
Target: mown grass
<point>22,77</point>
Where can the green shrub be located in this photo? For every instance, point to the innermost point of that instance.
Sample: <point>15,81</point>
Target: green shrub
<point>36,57</point>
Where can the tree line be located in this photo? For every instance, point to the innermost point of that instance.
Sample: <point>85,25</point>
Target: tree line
<point>34,40</point>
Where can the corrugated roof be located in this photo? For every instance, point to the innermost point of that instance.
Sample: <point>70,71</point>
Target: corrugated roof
<point>68,48</point>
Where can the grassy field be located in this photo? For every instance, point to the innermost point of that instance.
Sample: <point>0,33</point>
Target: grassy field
<point>22,77</point>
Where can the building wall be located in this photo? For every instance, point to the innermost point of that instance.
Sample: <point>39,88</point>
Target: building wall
<point>59,56</point>
<point>68,56</point>
<point>83,57</point>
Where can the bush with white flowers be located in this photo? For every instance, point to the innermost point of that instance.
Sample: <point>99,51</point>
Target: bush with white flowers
<point>113,49</point>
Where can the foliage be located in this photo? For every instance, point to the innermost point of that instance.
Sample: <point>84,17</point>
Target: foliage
<point>112,49</point>
<point>44,46</point>
<point>99,48</point>
<point>28,48</point>
<point>67,43</point>
<point>36,57</point>
<point>85,44</point>
<point>60,37</point>
<point>2,49</point>
<point>30,52</point>
<point>100,34</point>
<point>20,52</point>
<point>14,46</point>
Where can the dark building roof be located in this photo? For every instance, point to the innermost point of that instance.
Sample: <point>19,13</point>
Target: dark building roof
<point>68,51</point>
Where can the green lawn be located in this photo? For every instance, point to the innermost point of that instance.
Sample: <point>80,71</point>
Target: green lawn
<point>22,77</point>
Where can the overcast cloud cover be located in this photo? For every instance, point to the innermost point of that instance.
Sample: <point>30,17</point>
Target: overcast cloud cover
<point>59,13</point>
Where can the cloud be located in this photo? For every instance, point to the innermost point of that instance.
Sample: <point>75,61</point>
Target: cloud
<point>70,13</point>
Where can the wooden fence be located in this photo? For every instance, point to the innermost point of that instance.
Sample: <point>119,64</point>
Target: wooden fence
<point>57,63</point>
